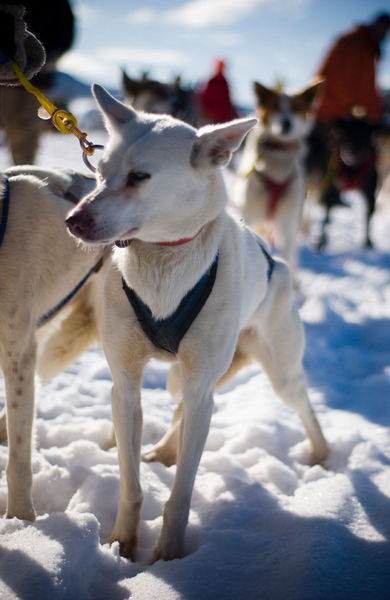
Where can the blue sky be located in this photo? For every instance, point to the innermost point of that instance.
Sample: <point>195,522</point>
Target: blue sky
<point>263,40</point>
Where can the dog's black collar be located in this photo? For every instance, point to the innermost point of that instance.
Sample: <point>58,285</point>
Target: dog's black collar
<point>168,333</point>
<point>4,216</point>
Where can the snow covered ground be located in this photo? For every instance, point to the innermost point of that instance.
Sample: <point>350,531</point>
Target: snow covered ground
<point>264,524</point>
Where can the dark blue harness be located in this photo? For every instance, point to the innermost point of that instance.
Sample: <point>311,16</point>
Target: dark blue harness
<point>270,260</point>
<point>3,226</point>
<point>168,333</point>
<point>53,311</point>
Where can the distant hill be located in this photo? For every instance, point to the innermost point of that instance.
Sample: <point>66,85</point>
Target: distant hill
<point>68,87</point>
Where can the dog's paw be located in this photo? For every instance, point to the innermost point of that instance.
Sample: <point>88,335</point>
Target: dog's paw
<point>162,454</point>
<point>319,456</point>
<point>127,548</point>
<point>167,552</point>
<point>26,513</point>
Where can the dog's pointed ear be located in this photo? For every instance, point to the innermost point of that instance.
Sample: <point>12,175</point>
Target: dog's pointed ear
<point>308,95</point>
<point>264,96</point>
<point>115,112</point>
<point>214,144</point>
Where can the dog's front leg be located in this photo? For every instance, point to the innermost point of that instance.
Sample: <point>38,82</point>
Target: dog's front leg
<point>127,417</point>
<point>19,372</point>
<point>197,409</point>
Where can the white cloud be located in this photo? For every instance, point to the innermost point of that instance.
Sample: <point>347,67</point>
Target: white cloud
<point>87,13</point>
<point>143,55</point>
<point>105,65</point>
<point>226,38</point>
<point>141,16</point>
<point>206,13</point>
<point>86,66</point>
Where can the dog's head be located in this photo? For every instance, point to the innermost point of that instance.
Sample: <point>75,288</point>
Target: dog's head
<point>147,94</point>
<point>354,139</point>
<point>159,179</point>
<point>285,117</point>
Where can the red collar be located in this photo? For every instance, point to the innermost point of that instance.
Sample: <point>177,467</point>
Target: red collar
<point>275,191</point>
<point>125,243</point>
<point>181,241</point>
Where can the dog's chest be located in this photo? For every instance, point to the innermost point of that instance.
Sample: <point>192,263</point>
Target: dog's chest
<point>167,333</point>
<point>160,281</point>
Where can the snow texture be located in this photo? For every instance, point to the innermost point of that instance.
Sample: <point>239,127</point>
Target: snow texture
<point>264,524</point>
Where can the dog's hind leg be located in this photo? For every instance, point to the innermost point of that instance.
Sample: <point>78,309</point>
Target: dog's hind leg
<point>277,343</point>
<point>3,426</point>
<point>18,362</point>
<point>76,332</point>
<point>165,451</point>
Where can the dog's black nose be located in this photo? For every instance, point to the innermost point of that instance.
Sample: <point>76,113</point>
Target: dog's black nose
<point>80,224</point>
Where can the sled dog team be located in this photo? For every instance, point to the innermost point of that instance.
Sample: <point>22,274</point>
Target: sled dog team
<point>152,264</point>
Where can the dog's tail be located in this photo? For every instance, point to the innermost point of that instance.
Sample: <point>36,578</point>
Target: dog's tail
<point>76,332</point>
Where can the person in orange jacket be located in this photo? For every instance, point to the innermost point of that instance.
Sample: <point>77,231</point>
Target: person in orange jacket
<point>349,96</point>
<point>349,71</point>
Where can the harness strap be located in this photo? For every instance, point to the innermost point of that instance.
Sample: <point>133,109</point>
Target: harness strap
<point>168,333</point>
<point>3,226</point>
<point>4,216</point>
<point>270,260</point>
<point>275,191</point>
<point>52,312</point>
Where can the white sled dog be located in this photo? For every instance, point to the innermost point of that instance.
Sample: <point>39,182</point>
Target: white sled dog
<point>188,284</point>
<point>41,269</point>
<point>270,185</point>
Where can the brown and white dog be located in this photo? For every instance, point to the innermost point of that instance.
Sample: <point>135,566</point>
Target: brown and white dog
<point>270,185</point>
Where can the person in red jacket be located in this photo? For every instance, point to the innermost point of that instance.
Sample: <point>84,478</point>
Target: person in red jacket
<point>349,71</point>
<point>214,103</point>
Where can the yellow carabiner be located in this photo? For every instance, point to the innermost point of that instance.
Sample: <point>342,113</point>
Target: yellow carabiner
<point>62,120</point>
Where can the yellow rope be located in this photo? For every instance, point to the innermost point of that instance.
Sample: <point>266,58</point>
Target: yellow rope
<point>63,120</point>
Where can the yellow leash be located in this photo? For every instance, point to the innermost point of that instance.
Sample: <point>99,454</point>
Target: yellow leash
<point>62,120</point>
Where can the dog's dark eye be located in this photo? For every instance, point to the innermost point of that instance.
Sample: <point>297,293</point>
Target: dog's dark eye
<point>136,177</point>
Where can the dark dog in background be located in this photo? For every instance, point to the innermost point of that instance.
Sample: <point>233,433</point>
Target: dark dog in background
<point>340,158</point>
<point>154,96</point>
